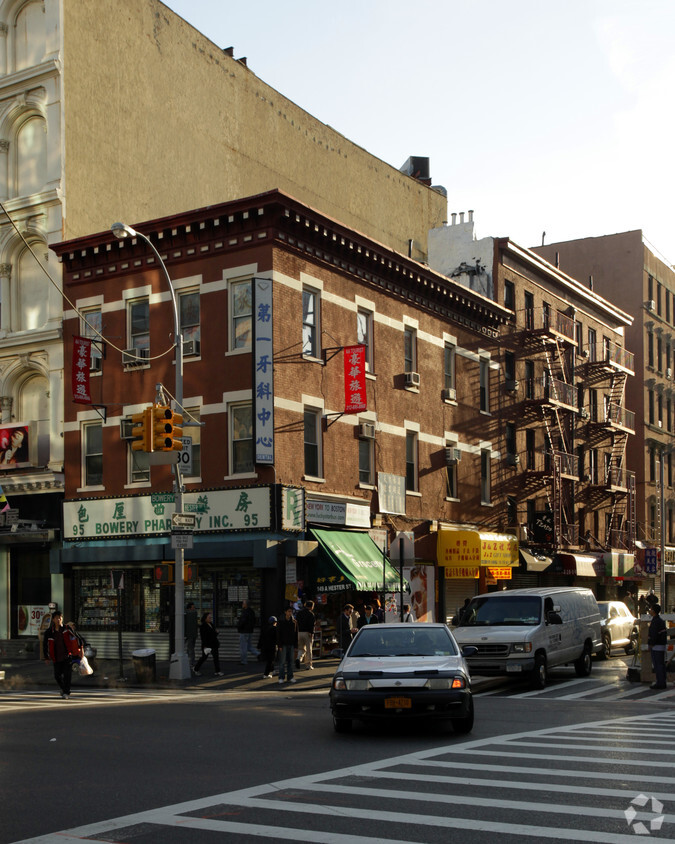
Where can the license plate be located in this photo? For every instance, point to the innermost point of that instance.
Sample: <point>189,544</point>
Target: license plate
<point>397,703</point>
<point>516,667</point>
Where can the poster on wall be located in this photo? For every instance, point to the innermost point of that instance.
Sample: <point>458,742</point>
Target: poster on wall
<point>30,618</point>
<point>18,445</point>
<point>419,592</point>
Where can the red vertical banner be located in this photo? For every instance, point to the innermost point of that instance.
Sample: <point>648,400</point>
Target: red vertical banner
<point>355,379</point>
<point>81,365</point>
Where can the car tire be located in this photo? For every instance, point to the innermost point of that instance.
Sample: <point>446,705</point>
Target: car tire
<point>539,672</point>
<point>342,725</point>
<point>464,725</point>
<point>584,664</point>
<point>607,646</point>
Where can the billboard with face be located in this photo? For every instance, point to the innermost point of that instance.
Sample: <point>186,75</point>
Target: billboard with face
<point>18,443</point>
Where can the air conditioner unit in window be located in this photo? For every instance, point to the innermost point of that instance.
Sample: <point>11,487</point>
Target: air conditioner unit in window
<point>669,373</point>
<point>452,455</point>
<point>367,431</point>
<point>511,385</point>
<point>512,459</point>
<point>135,357</point>
<point>412,379</point>
<point>95,364</point>
<point>449,394</point>
<point>583,353</point>
<point>660,423</point>
<point>584,413</point>
<point>126,426</point>
<point>191,348</point>
<point>650,304</point>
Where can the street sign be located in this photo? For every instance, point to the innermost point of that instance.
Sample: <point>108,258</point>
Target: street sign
<point>183,521</point>
<point>185,456</point>
<point>408,538</point>
<point>651,557</point>
<point>181,539</point>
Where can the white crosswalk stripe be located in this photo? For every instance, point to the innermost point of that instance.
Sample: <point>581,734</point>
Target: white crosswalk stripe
<point>604,781</point>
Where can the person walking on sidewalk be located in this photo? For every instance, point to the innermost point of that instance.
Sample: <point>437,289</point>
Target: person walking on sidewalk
<point>306,621</point>
<point>191,630</point>
<point>59,645</point>
<point>287,640</point>
<point>210,645</point>
<point>245,628</point>
<point>656,640</point>
<point>268,646</point>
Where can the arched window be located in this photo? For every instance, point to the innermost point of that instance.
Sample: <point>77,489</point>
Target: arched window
<point>29,35</point>
<point>31,156</point>
<point>33,406</point>
<point>31,288</point>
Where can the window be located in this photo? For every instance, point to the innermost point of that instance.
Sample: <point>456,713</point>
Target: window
<point>658,297</point>
<point>241,305</point>
<point>667,295</point>
<point>659,404</point>
<point>592,340</point>
<point>509,366</point>
<point>310,323</point>
<point>93,454</point>
<point>593,405</point>
<point>449,366</point>
<point>189,318</point>
<point>652,464</point>
<point>578,335</point>
<point>593,465</point>
<point>312,443</point>
<point>510,438</point>
<point>92,326</point>
<point>410,349</point>
<point>669,415</point>
<point>364,335</point>
<point>529,311</point>
<point>546,315</point>
<point>139,324</point>
<point>659,353</point>
<point>451,473</point>
<point>529,379</point>
<point>139,466</point>
<point>241,438</point>
<point>529,448</point>
<point>511,511</point>
<point>366,461</point>
<point>484,385</point>
<point>650,349</point>
<point>411,461</point>
<point>509,295</point>
<point>651,406</point>
<point>650,287</point>
<point>485,484</point>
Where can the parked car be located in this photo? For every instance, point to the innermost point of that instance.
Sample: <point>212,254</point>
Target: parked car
<point>527,631</point>
<point>619,627</point>
<point>402,671</point>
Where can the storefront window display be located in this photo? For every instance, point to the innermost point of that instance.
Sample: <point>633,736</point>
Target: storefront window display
<point>221,590</point>
<point>95,601</point>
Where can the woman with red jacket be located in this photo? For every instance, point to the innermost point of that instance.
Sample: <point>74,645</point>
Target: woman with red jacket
<point>59,644</point>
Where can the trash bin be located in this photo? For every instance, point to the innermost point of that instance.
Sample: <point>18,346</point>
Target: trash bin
<point>144,665</point>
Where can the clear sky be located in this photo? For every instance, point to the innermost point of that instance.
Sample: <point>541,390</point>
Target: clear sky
<point>541,116</point>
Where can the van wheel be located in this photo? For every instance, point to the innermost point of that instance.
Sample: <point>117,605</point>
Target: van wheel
<point>584,664</point>
<point>539,672</point>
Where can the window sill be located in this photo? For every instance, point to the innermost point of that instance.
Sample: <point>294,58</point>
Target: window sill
<point>312,480</point>
<point>370,376</point>
<point>312,359</point>
<point>485,413</point>
<point>245,351</point>
<point>138,485</point>
<point>135,367</point>
<point>192,480</point>
<point>452,500</point>
<point>242,476</point>
<point>366,486</point>
<point>90,489</point>
<point>414,493</point>
<point>486,504</point>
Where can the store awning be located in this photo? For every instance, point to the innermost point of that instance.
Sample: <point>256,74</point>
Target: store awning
<point>534,562</point>
<point>474,548</point>
<point>581,565</point>
<point>349,560</point>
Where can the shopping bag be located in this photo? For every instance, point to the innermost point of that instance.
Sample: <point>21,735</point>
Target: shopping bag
<point>207,651</point>
<point>85,668</point>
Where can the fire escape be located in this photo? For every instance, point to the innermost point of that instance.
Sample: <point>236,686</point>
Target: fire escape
<point>603,428</point>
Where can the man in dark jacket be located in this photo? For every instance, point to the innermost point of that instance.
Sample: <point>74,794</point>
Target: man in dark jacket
<point>368,617</point>
<point>245,628</point>
<point>344,627</point>
<point>287,640</point>
<point>306,621</point>
<point>656,640</point>
<point>59,644</point>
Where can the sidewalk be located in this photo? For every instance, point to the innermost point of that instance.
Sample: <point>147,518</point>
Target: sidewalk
<point>34,674</point>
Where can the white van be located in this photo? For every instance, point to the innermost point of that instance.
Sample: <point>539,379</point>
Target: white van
<point>527,631</point>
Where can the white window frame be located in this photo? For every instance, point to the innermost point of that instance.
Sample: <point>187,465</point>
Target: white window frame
<point>364,334</point>
<point>484,398</point>
<point>194,329</point>
<point>409,354</point>
<point>450,366</point>
<point>311,329</point>
<point>412,460</point>
<point>132,338</point>
<point>317,415</point>
<point>86,427</point>
<point>241,317</point>
<point>232,439</point>
<point>366,449</point>
<point>485,476</point>
<point>86,331</point>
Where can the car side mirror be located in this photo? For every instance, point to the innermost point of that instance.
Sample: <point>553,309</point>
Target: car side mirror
<point>469,650</point>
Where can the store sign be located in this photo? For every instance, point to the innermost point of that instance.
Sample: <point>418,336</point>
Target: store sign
<point>471,548</point>
<point>263,371</point>
<point>217,510</point>
<point>337,513</point>
<point>292,508</point>
<point>391,493</point>
<point>355,379</point>
<point>462,572</point>
<point>80,370</point>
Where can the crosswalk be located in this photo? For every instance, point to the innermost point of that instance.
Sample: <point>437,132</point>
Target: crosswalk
<point>16,701</point>
<point>605,781</point>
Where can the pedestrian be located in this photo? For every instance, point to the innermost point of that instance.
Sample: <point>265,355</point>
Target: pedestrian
<point>344,627</point>
<point>191,630</point>
<point>287,641</point>
<point>60,645</point>
<point>651,599</point>
<point>245,628</point>
<point>267,643</point>
<point>630,602</point>
<point>377,610</point>
<point>656,640</point>
<point>306,621</point>
<point>368,617</point>
<point>642,605</point>
<point>408,615</point>
<point>210,645</point>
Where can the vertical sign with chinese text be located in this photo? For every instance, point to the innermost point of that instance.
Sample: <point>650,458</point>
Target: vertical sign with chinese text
<point>81,365</point>
<point>355,379</point>
<point>263,374</point>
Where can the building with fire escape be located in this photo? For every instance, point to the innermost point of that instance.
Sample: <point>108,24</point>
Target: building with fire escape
<point>563,485</point>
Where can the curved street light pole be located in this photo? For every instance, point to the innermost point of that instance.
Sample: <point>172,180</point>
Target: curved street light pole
<point>180,666</point>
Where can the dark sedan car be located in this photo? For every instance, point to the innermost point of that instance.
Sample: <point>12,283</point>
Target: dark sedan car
<point>402,671</point>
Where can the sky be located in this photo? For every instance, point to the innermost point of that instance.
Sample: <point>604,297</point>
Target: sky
<point>539,116</point>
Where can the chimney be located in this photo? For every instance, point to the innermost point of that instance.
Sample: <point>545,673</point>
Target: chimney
<point>454,218</point>
<point>461,217</point>
<point>471,216</point>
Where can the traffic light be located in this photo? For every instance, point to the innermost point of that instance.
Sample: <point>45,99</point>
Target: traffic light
<point>190,572</point>
<point>142,433</point>
<point>164,573</point>
<point>166,430</point>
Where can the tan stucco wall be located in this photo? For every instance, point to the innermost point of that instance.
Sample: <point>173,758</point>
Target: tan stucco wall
<point>159,120</point>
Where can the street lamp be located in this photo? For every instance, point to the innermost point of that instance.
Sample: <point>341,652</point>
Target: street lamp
<point>180,666</point>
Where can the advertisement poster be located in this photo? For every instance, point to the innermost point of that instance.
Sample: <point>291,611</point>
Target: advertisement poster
<point>419,593</point>
<point>30,617</point>
<point>18,444</point>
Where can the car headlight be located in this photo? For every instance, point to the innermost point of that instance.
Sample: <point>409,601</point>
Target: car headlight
<point>521,648</point>
<point>341,685</point>
<point>437,683</point>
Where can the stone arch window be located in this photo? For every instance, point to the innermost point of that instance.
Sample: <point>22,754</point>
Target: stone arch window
<point>33,406</point>
<point>28,35</point>
<point>29,289</point>
<point>30,156</point>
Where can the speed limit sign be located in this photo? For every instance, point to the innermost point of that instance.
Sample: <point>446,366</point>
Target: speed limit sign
<point>185,456</point>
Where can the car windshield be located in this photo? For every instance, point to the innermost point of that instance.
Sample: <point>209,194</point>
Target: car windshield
<point>413,640</point>
<point>503,611</point>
